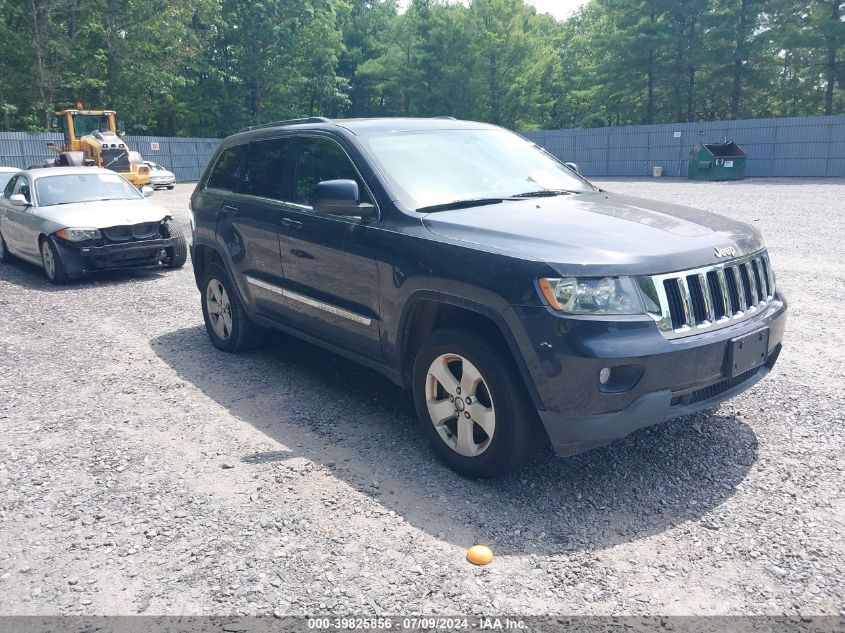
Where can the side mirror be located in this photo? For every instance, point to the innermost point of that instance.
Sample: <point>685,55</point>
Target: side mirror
<point>19,200</point>
<point>147,191</point>
<point>574,167</point>
<point>340,197</point>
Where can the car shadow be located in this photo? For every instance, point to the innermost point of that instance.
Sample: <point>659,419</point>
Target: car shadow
<point>27,275</point>
<point>362,427</point>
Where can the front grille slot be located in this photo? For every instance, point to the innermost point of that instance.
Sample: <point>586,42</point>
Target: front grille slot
<point>746,285</point>
<point>716,296</point>
<point>676,303</point>
<point>712,297</point>
<point>696,292</point>
<point>733,291</point>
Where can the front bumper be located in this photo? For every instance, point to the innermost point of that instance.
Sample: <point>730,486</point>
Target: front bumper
<point>79,260</point>
<point>162,182</point>
<point>659,379</point>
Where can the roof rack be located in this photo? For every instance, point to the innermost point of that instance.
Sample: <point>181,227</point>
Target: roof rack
<point>311,119</point>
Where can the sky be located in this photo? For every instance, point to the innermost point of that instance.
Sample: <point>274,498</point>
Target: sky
<point>561,9</point>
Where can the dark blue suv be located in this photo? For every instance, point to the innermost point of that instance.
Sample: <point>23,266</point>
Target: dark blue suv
<point>521,304</point>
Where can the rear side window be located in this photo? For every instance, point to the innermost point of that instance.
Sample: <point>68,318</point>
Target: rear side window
<point>270,168</point>
<point>225,173</point>
<point>322,159</point>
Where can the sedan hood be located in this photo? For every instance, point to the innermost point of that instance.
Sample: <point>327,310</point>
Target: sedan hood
<point>599,233</point>
<point>104,213</point>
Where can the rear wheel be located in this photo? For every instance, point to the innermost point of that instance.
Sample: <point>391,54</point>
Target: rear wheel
<point>472,405</point>
<point>54,268</point>
<point>227,323</point>
<point>177,254</point>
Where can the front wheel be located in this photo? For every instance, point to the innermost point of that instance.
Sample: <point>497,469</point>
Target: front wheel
<point>473,406</point>
<point>54,268</point>
<point>177,254</point>
<point>4,253</point>
<point>227,323</point>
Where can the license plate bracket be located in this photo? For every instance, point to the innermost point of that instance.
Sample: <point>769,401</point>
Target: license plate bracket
<point>748,351</point>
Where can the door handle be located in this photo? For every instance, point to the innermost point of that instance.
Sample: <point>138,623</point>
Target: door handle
<point>230,210</point>
<point>291,224</point>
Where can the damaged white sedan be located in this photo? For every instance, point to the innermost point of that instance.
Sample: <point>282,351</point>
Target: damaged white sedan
<point>78,220</point>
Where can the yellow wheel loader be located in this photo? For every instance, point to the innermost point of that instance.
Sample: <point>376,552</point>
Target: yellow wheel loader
<point>91,138</point>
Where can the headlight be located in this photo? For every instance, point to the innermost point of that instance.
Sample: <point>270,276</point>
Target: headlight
<point>605,295</point>
<point>78,235</point>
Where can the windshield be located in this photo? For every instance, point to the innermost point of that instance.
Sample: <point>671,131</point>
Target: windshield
<point>84,124</point>
<point>70,188</point>
<point>431,168</point>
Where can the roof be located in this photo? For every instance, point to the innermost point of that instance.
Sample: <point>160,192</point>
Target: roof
<point>41,172</point>
<point>397,124</point>
<point>371,126</point>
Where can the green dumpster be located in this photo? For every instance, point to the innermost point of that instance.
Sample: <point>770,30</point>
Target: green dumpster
<point>717,161</point>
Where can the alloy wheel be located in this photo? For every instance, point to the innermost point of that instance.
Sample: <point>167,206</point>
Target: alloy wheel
<point>48,259</point>
<point>459,405</point>
<point>219,309</point>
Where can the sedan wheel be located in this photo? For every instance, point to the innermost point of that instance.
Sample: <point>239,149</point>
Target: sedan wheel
<point>219,309</point>
<point>459,405</point>
<point>48,260</point>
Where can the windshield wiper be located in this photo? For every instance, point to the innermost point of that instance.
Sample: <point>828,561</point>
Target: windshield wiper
<point>460,204</point>
<point>544,193</point>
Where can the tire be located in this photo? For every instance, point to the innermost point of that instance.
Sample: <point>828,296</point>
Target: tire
<point>4,252</point>
<point>501,430</point>
<point>227,323</point>
<point>54,268</point>
<point>177,254</point>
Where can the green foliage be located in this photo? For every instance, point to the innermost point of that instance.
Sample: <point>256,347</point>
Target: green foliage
<point>210,67</point>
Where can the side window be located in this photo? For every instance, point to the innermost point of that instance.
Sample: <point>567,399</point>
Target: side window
<point>22,187</point>
<point>269,169</point>
<point>10,187</point>
<point>225,173</point>
<point>322,159</point>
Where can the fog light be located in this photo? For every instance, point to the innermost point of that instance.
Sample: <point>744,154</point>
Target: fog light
<point>604,375</point>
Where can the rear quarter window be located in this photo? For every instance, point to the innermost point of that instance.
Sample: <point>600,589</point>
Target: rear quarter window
<point>226,170</point>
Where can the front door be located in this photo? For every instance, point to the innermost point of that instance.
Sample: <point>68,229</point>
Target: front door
<point>331,281</point>
<point>21,225</point>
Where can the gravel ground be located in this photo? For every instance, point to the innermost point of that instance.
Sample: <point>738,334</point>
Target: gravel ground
<point>141,471</point>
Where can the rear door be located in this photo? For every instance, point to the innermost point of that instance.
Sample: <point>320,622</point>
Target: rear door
<point>249,223</point>
<point>331,280</point>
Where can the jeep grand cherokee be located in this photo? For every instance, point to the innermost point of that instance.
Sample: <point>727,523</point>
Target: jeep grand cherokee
<point>518,302</point>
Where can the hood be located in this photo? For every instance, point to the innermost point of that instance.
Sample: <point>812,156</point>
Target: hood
<point>599,233</point>
<point>102,214</point>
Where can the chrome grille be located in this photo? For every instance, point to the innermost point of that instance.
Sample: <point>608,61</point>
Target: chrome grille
<point>693,301</point>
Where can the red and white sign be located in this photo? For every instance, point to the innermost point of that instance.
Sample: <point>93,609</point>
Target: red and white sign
<point>154,147</point>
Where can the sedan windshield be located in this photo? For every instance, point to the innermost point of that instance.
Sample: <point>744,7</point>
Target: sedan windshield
<point>436,168</point>
<point>71,188</point>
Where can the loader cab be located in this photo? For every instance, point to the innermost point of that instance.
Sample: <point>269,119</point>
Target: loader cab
<point>74,124</point>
